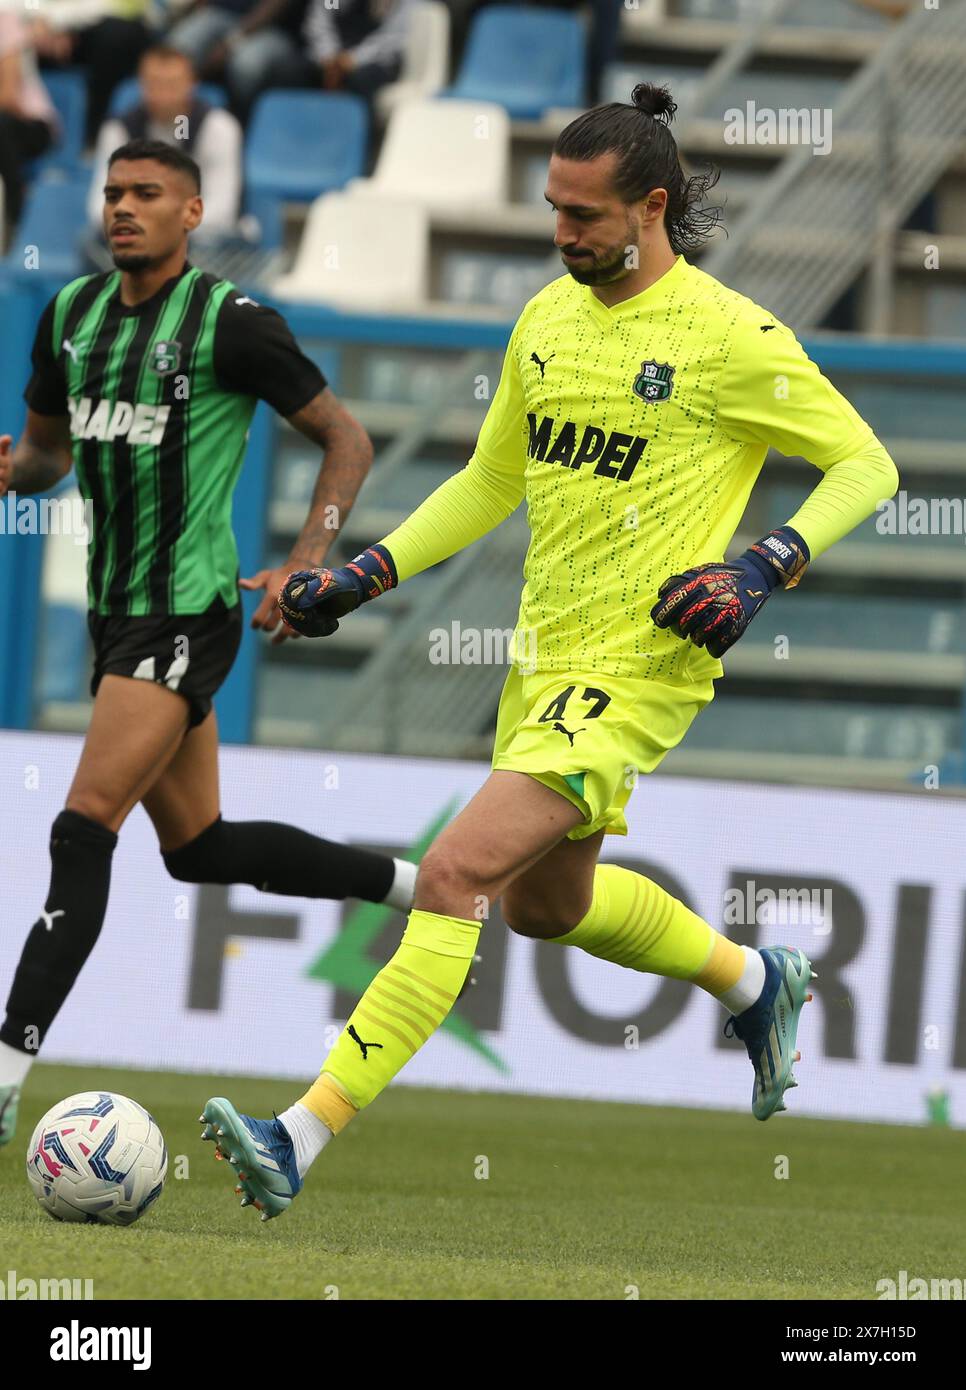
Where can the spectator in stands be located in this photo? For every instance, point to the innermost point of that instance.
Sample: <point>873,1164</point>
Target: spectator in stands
<point>170,109</point>
<point>238,41</point>
<point>357,46</point>
<point>107,37</point>
<point>28,122</point>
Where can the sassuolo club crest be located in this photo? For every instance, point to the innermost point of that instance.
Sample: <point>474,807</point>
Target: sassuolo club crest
<point>166,357</point>
<point>653,382</point>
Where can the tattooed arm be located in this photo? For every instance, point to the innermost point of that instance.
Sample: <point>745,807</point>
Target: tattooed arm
<point>256,354</point>
<point>346,461</point>
<point>42,456</point>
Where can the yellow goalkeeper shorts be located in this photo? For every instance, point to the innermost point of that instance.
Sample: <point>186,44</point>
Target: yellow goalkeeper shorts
<point>589,736</point>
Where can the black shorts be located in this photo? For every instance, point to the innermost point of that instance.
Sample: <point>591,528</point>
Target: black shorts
<point>190,653</point>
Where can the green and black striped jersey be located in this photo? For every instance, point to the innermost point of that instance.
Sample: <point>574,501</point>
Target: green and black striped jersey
<point>160,396</point>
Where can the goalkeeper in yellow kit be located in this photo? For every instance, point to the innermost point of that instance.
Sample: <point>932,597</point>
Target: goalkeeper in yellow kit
<point>637,402</point>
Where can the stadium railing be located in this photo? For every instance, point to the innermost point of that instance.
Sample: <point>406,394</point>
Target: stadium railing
<point>899,123</point>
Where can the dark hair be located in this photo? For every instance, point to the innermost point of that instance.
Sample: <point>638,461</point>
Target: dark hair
<point>166,52</point>
<point>647,158</point>
<point>163,153</point>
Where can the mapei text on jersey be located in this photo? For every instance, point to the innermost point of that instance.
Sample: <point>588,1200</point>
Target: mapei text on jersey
<point>614,454</point>
<point>138,423</point>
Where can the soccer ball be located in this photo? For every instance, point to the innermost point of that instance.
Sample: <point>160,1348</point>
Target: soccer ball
<point>97,1157</point>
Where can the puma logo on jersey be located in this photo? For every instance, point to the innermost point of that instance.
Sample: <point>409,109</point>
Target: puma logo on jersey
<point>245,300</point>
<point>138,423</point>
<point>615,455</point>
<point>541,363</point>
<point>49,917</point>
<point>766,327</point>
<point>68,346</point>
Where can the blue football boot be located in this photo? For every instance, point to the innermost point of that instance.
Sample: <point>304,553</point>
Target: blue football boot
<point>261,1153</point>
<point>769,1027</point>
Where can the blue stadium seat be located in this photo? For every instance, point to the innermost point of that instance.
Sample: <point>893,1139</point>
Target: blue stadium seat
<point>54,217</point>
<point>128,93</point>
<point>301,144</point>
<point>62,659</point>
<point>524,58</point>
<point>68,92</point>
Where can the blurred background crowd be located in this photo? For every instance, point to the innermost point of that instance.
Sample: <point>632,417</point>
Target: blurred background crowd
<point>143,63</point>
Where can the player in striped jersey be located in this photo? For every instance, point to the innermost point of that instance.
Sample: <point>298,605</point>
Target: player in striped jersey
<point>638,400</point>
<point>145,381</point>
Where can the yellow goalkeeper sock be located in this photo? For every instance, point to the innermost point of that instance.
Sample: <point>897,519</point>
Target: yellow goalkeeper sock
<point>633,922</point>
<point>404,1005</point>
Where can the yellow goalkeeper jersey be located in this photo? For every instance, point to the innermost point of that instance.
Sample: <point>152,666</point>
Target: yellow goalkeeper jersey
<point>635,433</point>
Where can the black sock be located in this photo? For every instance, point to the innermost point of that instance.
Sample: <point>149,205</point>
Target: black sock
<point>281,859</point>
<point>60,942</point>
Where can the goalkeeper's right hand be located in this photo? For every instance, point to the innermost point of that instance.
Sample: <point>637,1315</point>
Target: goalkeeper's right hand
<point>312,601</point>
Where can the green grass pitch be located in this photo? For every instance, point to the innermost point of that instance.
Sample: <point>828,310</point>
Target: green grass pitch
<point>584,1200</point>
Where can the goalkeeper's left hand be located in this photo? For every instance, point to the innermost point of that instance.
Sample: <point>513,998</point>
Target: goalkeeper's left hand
<point>713,604</point>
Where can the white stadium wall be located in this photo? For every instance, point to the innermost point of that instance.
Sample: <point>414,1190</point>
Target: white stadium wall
<point>218,979</point>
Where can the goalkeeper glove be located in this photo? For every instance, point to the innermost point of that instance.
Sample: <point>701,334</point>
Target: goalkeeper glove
<point>713,604</point>
<point>312,601</point>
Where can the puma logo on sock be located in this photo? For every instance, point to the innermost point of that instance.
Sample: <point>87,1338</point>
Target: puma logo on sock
<point>364,1045</point>
<point>49,917</point>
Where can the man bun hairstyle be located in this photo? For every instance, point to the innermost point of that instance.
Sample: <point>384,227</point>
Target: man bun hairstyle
<point>654,101</point>
<point>647,158</point>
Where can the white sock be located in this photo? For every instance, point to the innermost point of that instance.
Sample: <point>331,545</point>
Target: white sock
<point>14,1065</point>
<point>403,885</point>
<point>748,987</point>
<point>308,1134</point>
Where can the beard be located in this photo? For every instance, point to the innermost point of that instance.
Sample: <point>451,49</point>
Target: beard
<point>600,270</point>
<point>132,260</point>
<point>609,265</point>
